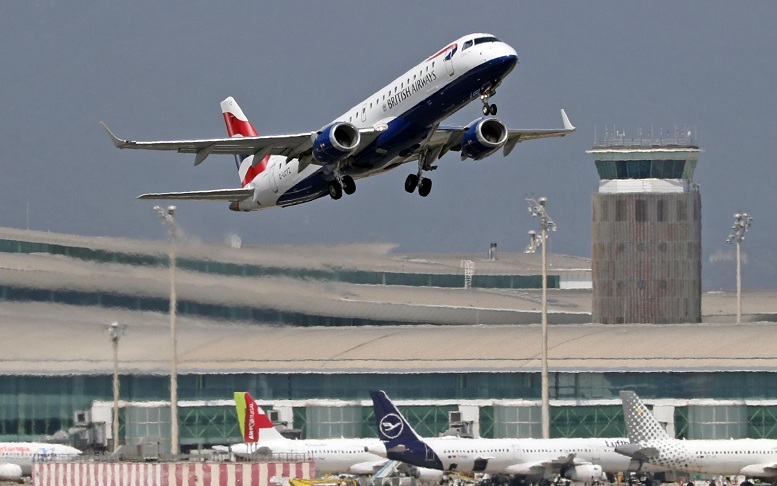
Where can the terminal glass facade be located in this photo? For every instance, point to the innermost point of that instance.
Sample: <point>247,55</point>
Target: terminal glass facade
<point>34,406</point>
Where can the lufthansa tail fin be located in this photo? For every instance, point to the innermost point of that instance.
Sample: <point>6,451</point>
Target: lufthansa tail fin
<point>393,429</point>
<point>641,425</point>
<point>239,126</point>
<point>255,425</point>
<point>401,441</point>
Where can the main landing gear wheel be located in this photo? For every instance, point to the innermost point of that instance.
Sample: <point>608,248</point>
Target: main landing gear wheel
<point>425,188</point>
<point>411,183</point>
<point>349,186</point>
<point>335,190</point>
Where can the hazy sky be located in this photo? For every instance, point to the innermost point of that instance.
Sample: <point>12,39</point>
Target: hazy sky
<point>158,70</point>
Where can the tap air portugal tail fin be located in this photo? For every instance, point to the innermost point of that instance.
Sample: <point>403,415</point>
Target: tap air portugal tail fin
<point>255,425</point>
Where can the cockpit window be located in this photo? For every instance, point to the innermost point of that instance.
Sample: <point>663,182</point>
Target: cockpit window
<point>483,40</point>
<point>467,45</point>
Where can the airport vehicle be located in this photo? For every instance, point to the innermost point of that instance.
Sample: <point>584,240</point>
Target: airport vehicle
<point>650,444</point>
<point>331,456</point>
<point>525,460</point>
<point>16,458</point>
<point>400,123</point>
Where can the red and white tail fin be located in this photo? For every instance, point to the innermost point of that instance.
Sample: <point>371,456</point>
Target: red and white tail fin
<point>239,126</point>
<point>255,425</point>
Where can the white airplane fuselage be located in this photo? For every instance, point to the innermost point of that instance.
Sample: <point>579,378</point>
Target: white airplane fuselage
<point>747,457</point>
<point>330,456</point>
<point>23,454</point>
<point>407,110</point>
<point>524,456</point>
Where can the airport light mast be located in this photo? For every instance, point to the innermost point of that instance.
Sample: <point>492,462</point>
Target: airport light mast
<point>115,331</point>
<point>168,217</point>
<point>742,223</point>
<point>537,210</point>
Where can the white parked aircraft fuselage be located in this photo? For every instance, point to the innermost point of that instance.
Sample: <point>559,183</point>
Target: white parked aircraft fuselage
<point>330,456</point>
<point>23,454</point>
<point>747,457</point>
<point>515,456</point>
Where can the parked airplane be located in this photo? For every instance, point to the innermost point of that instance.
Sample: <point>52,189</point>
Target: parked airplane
<point>528,460</point>
<point>400,123</point>
<point>649,443</point>
<point>331,456</point>
<point>16,458</point>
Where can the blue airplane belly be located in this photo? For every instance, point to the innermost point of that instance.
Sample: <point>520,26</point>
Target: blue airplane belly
<point>405,134</point>
<point>310,188</point>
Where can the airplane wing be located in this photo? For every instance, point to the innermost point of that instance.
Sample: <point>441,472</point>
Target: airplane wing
<point>446,138</point>
<point>369,467</point>
<point>637,451</point>
<point>537,467</point>
<point>768,470</point>
<point>210,195</point>
<point>388,469</point>
<point>292,146</point>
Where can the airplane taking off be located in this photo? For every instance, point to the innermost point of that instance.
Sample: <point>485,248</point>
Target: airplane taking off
<point>16,458</point>
<point>528,460</point>
<point>649,443</point>
<point>331,456</point>
<point>400,123</point>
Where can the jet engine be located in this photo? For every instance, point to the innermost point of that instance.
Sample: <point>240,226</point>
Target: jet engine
<point>584,473</point>
<point>482,138</point>
<point>10,472</point>
<point>425,474</point>
<point>335,142</point>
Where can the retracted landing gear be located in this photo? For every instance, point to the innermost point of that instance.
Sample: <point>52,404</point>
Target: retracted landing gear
<point>484,97</point>
<point>423,184</point>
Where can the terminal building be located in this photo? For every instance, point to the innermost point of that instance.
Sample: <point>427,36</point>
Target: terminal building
<point>310,330</point>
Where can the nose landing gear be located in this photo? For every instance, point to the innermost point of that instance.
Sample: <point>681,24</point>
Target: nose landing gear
<point>485,95</point>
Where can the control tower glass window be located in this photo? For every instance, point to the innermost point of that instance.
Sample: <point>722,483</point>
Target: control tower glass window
<point>640,169</point>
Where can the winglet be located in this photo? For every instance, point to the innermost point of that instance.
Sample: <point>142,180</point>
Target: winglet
<point>567,124</point>
<point>118,142</point>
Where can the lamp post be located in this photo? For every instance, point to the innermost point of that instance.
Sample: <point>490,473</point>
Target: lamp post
<point>742,223</point>
<point>115,331</point>
<point>533,243</point>
<point>537,210</point>
<point>168,217</point>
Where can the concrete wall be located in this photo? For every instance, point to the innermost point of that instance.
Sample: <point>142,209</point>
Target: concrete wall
<point>167,474</point>
<point>646,258</point>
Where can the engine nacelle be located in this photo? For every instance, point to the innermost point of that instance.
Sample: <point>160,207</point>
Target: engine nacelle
<point>584,473</point>
<point>10,472</point>
<point>482,138</point>
<point>427,475</point>
<point>335,142</point>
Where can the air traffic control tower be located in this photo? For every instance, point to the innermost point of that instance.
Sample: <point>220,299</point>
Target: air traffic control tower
<point>646,256</point>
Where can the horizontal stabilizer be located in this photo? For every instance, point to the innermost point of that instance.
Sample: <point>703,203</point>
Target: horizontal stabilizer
<point>211,195</point>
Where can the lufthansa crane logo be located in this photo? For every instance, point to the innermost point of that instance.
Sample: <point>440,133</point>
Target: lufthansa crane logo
<point>391,426</point>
